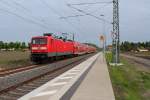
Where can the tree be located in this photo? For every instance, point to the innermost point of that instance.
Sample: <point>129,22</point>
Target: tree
<point>128,46</point>
<point>17,45</point>
<point>23,45</point>
<point>10,45</point>
<point>1,45</point>
<point>6,46</point>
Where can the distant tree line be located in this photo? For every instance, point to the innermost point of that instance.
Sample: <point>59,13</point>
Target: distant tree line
<point>12,45</point>
<point>128,46</point>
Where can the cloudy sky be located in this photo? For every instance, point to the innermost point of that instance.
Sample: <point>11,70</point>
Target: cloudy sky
<point>22,19</point>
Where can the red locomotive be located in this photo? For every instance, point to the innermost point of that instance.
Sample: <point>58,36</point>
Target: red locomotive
<point>48,46</point>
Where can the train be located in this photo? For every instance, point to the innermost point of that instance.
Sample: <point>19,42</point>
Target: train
<point>50,46</point>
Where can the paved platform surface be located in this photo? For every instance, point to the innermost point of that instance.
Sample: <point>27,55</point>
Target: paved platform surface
<point>96,85</point>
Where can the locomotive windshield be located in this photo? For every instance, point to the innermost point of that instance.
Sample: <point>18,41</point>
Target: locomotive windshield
<point>39,41</point>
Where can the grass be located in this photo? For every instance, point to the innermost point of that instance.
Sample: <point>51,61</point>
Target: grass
<point>14,59</point>
<point>129,83</point>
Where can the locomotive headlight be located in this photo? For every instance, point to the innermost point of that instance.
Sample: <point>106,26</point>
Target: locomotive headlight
<point>43,48</point>
<point>34,48</point>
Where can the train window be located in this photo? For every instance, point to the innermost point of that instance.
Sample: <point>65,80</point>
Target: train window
<point>39,41</point>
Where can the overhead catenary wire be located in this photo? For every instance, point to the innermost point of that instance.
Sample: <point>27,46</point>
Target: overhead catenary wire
<point>28,13</point>
<point>79,15</point>
<point>20,16</point>
<point>23,18</point>
<point>74,15</point>
<point>26,10</point>
<point>81,30</point>
<point>102,7</point>
<point>20,5</point>
<point>60,15</point>
<point>89,14</point>
<point>71,16</point>
<point>92,3</point>
<point>85,13</point>
<point>41,20</point>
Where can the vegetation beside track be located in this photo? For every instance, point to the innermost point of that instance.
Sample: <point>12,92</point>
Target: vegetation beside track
<point>127,46</point>
<point>128,82</point>
<point>14,59</point>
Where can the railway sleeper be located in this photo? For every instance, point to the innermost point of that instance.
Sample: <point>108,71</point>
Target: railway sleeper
<point>46,78</point>
<point>30,87</point>
<point>22,90</point>
<point>34,85</point>
<point>39,83</point>
<point>10,95</point>
<point>15,94</point>
<point>51,76</point>
<point>43,80</point>
<point>7,98</point>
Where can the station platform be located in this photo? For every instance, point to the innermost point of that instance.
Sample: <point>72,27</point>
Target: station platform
<point>96,85</point>
<point>87,81</point>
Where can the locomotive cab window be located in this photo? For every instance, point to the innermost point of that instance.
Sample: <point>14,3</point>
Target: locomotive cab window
<point>39,41</point>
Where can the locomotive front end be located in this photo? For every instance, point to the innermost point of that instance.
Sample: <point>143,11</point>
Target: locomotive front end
<point>39,49</point>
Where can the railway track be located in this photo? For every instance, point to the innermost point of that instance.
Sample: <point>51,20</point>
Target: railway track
<point>6,72</point>
<point>15,70</point>
<point>139,55</point>
<point>18,90</point>
<point>139,60</point>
